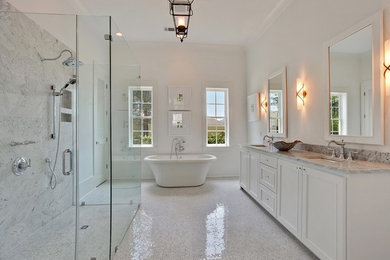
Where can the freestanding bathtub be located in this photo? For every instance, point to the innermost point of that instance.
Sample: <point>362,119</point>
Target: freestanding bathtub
<point>189,170</point>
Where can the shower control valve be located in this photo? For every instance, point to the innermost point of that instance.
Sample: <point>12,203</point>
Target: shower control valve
<point>20,165</point>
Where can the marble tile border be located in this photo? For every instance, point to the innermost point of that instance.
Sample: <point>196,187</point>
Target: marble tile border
<point>357,154</point>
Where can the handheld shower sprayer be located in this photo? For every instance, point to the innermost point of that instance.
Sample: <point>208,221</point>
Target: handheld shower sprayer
<point>57,112</point>
<point>71,81</point>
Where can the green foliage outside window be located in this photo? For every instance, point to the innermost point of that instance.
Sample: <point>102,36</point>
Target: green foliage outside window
<point>216,138</point>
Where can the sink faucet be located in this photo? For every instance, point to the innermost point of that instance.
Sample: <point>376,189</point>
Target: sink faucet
<point>270,139</point>
<point>179,147</point>
<point>341,144</point>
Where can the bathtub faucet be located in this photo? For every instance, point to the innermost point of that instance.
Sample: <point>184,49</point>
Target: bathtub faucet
<point>179,147</point>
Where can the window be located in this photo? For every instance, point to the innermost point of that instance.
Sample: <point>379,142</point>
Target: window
<point>217,121</point>
<point>338,101</point>
<point>140,116</point>
<point>276,111</point>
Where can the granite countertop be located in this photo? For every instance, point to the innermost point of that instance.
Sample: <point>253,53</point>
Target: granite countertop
<point>315,159</point>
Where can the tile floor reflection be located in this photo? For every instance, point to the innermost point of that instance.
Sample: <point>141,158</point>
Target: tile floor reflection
<point>215,225</point>
<point>214,221</point>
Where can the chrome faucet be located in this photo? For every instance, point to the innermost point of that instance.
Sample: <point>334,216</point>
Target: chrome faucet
<point>179,147</point>
<point>270,139</point>
<point>342,147</point>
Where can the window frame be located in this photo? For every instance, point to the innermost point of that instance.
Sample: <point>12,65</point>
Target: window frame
<point>130,104</point>
<point>342,119</point>
<point>226,116</point>
<point>280,111</point>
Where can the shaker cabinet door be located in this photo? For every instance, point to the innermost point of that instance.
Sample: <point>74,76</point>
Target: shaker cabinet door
<point>253,175</point>
<point>244,170</point>
<point>323,214</point>
<point>289,196</point>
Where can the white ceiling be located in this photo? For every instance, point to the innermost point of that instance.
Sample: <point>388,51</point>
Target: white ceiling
<point>213,22</point>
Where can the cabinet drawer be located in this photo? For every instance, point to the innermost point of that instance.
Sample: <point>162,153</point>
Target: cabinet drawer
<point>267,177</point>
<point>267,199</point>
<point>269,161</point>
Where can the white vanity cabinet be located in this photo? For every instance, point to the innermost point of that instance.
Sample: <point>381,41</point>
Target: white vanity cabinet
<point>323,213</point>
<point>311,205</point>
<point>244,169</point>
<point>336,213</point>
<point>253,174</point>
<point>289,196</point>
<point>249,172</point>
<point>267,176</point>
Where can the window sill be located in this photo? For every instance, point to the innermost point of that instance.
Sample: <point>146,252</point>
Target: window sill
<point>217,146</point>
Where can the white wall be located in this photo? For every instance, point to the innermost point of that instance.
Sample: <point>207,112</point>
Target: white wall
<point>164,65</point>
<point>296,40</point>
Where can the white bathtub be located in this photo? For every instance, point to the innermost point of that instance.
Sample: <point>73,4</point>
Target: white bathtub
<point>189,170</point>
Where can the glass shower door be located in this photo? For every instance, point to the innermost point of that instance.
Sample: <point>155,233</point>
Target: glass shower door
<point>126,159</point>
<point>37,213</point>
<point>94,198</point>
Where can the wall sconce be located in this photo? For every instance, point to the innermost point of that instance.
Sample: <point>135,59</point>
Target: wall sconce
<point>386,73</point>
<point>301,93</point>
<point>181,11</point>
<point>258,102</point>
<point>387,58</point>
<point>264,103</point>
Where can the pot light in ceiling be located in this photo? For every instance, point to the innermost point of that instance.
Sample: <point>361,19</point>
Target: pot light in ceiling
<point>181,11</point>
<point>119,34</point>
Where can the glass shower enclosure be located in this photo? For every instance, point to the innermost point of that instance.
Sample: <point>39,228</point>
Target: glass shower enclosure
<point>69,182</point>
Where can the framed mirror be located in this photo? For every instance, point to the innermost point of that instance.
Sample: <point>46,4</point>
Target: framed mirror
<point>355,86</point>
<point>277,112</point>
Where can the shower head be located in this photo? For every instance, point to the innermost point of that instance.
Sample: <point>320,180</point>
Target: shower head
<point>71,62</point>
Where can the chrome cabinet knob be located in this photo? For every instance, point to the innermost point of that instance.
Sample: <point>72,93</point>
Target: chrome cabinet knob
<point>20,165</point>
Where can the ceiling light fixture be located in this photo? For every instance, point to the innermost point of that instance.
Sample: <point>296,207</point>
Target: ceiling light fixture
<point>119,34</point>
<point>181,12</point>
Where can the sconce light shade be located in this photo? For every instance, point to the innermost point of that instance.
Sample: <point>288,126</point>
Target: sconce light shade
<point>301,93</point>
<point>264,103</point>
<point>181,11</point>
<point>386,63</point>
<point>387,58</point>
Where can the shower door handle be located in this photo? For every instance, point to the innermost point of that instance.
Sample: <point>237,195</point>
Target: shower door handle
<point>67,151</point>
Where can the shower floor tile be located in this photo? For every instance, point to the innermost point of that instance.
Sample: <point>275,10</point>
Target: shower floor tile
<point>56,240</point>
<point>213,221</point>
<point>123,192</point>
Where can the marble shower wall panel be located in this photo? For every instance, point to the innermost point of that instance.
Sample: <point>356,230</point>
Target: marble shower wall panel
<point>27,203</point>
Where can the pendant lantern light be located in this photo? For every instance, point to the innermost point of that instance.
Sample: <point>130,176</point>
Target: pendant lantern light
<point>181,11</point>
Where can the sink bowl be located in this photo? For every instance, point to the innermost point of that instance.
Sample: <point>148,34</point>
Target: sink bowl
<point>327,158</point>
<point>258,145</point>
<point>285,146</point>
<point>332,159</point>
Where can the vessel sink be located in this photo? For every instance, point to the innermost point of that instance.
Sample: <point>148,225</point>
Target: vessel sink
<point>257,145</point>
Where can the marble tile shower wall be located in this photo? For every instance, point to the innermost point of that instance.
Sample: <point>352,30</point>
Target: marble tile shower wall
<point>27,202</point>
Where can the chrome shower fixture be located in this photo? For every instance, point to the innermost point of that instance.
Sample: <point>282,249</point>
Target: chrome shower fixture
<point>55,94</point>
<point>71,81</point>
<point>69,62</point>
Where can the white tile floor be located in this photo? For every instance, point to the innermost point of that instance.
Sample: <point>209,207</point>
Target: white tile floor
<point>214,221</point>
